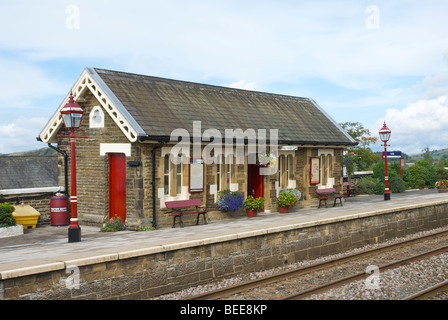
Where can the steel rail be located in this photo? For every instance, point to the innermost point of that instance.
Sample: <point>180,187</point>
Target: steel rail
<point>216,294</point>
<point>429,292</point>
<point>363,275</point>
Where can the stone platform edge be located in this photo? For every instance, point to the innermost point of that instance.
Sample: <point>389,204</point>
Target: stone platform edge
<point>126,254</point>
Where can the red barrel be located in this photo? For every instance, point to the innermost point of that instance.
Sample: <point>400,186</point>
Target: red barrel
<point>59,211</point>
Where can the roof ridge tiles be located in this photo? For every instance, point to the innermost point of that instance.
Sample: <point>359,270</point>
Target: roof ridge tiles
<point>196,84</point>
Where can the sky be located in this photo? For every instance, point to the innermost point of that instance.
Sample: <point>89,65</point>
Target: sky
<point>361,61</point>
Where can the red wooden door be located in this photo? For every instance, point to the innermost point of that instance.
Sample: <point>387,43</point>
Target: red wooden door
<point>255,182</point>
<point>117,185</point>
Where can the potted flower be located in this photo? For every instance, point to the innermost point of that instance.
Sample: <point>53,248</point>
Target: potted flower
<point>253,205</point>
<point>442,186</point>
<point>287,198</point>
<point>229,200</point>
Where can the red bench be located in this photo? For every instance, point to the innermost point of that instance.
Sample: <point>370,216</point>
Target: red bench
<point>350,190</point>
<point>180,205</point>
<point>329,193</point>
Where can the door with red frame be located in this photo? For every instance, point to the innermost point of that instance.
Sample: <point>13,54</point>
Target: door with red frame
<point>255,182</point>
<point>117,185</point>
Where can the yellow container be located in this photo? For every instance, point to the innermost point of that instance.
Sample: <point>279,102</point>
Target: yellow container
<point>26,216</point>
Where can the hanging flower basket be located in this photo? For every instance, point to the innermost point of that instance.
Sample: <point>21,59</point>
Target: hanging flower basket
<point>267,159</point>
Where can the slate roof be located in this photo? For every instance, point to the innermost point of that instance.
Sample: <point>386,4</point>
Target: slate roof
<point>161,105</point>
<point>150,108</point>
<point>28,172</point>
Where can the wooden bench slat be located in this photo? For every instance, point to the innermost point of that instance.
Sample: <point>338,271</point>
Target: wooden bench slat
<point>183,203</point>
<point>179,204</point>
<point>328,193</point>
<point>328,190</point>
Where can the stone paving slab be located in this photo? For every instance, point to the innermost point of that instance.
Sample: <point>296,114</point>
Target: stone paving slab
<point>47,247</point>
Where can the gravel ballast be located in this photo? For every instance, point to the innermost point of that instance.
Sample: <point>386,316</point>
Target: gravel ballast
<point>392,283</point>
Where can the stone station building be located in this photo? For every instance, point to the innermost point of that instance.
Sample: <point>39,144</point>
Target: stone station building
<point>125,166</point>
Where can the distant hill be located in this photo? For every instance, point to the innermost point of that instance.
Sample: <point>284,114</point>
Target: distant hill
<point>435,155</point>
<point>48,152</point>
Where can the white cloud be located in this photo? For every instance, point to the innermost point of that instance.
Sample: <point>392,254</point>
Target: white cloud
<point>20,135</point>
<point>21,82</point>
<point>435,85</point>
<point>27,94</point>
<point>242,84</point>
<point>419,125</point>
<point>266,43</point>
<point>253,40</point>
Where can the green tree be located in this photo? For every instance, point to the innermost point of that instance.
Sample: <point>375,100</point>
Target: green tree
<point>441,173</point>
<point>359,156</point>
<point>421,175</point>
<point>427,156</point>
<point>365,158</point>
<point>360,134</point>
<point>396,183</point>
<point>443,162</point>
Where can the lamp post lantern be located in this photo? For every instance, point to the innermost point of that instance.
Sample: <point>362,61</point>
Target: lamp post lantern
<point>72,115</point>
<point>385,136</point>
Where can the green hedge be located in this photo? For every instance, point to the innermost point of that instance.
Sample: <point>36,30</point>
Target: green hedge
<point>376,185</point>
<point>6,218</point>
<point>421,175</point>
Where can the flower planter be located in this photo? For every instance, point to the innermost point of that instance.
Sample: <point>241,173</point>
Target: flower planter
<point>253,205</point>
<point>442,186</point>
<point>251,213</point>
<point>286,199</point>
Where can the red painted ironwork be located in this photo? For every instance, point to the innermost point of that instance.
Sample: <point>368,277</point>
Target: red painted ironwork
<point>385,136</point>
<point>72,115</point>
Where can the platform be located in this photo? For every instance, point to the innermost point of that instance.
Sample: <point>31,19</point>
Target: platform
<point>46,247</point>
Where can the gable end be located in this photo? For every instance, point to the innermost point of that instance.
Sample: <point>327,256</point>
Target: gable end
<point>88,81</point>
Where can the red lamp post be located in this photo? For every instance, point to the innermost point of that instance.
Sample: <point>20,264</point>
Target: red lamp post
<point>72,115</point>
<point>385,136</point>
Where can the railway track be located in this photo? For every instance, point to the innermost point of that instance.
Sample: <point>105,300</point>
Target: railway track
<point>364,275</point>
<point>440,288</point>
<point>306,281</point>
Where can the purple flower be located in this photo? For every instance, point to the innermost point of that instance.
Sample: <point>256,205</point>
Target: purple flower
<point>229,201</point>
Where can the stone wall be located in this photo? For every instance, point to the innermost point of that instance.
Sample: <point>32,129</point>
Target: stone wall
<point>299,177</point>
<point>93,175</point>
<point>146,272</point>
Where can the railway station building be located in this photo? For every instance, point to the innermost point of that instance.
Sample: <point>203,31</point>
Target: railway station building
<point>151,140</point>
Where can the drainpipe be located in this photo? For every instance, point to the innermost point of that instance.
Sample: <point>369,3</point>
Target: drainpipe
<point>153,183</point>
<point>65,165</point>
